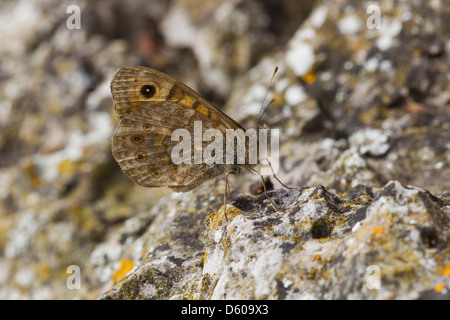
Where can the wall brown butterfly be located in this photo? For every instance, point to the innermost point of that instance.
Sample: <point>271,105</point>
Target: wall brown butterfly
<point>150,105</point>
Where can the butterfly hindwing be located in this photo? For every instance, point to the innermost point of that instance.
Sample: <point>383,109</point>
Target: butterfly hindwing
<point>142,145</point>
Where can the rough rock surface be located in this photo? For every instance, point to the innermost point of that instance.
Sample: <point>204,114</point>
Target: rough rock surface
<point>364,115</point>
<point>324,246</point>
<point>359,105</point>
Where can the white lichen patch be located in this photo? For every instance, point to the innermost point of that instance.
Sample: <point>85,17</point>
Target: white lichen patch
<point>251,102</point>
<point>300,56</point>
<point>389,30</point>
<point>371,64</point>
<point>21,236</point>
<point>294,95</point>
<point>101,130</point>
<point>318,16</point>
<point>350,24</point>
<point>370,141</point>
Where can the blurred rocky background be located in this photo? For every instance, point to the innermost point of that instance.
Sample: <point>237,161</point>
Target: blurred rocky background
<point>365,119</point>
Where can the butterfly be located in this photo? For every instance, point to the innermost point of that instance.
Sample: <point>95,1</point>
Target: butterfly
<point>150,105</point>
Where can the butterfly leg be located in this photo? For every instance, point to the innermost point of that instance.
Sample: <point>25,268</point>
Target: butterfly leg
<point>287,187</point>
<point>273,173</point>
<point>226,193</point>
<point>267,195</point>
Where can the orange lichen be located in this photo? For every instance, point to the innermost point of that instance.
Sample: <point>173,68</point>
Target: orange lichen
<point>67,167</point>
<point>377,230</point>
<point>309,77</point>
<point>232,212</point>
<point>323,239</point>
<point>439,287</point>
<point>125,266</point>
<point>447,270</point>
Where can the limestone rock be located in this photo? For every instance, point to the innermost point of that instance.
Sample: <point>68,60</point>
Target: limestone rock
<point>387,243</point>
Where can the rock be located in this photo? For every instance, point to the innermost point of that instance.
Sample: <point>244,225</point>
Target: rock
<point>341,80</point>
<point>387,243</point>
<point>228,37</point>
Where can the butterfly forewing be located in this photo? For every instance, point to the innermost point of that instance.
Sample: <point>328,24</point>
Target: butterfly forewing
<point>133,85</point>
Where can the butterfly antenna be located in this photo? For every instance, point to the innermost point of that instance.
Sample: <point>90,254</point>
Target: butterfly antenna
<point>263,110</point>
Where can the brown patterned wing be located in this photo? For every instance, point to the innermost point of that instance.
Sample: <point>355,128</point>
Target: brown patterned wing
<point>134,85</point>
<point>142,145</point>
<point>150,106</point>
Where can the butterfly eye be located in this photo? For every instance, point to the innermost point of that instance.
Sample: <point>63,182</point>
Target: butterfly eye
<point>141,156</point>
<point>148,91</point>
